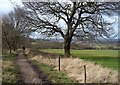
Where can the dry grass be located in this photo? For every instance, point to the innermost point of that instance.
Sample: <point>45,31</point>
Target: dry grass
<point>75,70</point>
<point>6,64</point>
<point>9,69</point>
<point>0,71</point>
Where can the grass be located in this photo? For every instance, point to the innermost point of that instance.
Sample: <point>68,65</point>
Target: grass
<point>54,75</point>
<point>9,71</point>
<point>106,58</point>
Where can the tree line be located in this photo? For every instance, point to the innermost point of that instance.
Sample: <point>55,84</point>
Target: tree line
<point>15,32</point>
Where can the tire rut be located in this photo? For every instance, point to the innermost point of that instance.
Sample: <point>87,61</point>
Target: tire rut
<point>30,74</point>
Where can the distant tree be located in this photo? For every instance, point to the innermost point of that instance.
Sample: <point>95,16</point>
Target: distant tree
<point>14,29</point>
<point>6,33</point>
<point>70,19</point>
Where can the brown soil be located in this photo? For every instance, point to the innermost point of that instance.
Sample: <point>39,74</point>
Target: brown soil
<point>30,74</point>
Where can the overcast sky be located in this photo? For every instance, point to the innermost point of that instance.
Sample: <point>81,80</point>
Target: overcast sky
<point>6,6</point>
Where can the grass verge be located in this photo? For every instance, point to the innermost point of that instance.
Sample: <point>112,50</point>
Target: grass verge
<point>9,70</point>
<point>54,75</point>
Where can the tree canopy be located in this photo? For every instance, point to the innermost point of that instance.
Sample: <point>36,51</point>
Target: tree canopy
<point>70,19</point>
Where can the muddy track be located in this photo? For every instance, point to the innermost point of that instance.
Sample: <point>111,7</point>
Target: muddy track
<point>28,73</point>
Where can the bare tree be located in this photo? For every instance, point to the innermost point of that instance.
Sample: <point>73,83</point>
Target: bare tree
<point>14,29</point>
<point>70,19</point>
<point>8,32</point>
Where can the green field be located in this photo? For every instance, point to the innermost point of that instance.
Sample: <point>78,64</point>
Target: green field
<point>106,58</point>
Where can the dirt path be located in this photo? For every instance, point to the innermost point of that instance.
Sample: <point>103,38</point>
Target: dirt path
<point>29,73</point>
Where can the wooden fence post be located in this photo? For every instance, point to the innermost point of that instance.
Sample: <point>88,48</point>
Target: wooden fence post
<point>59,62</point>
<point>85,74</point>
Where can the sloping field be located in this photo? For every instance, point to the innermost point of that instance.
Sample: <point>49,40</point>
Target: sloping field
<point>86,53</point>
<point>106,58</point>
<point>75,70</point>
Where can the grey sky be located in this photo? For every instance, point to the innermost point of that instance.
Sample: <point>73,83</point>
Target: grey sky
<point>6,6</point>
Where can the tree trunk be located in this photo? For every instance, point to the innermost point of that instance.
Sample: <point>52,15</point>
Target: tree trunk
<point>8,43</point>
<point>14,47</point>
<point>67,42</point>
<point>67,50</point>
<point>10,50</point>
